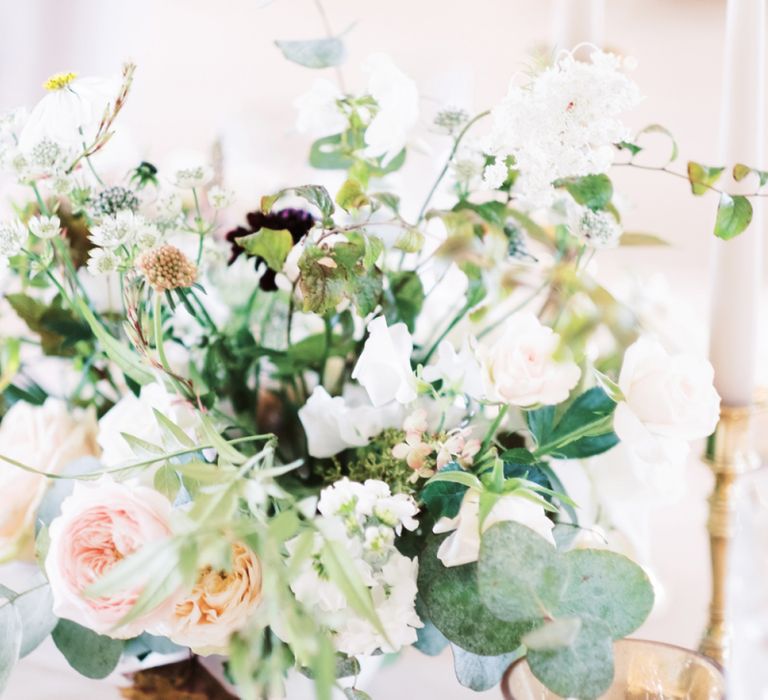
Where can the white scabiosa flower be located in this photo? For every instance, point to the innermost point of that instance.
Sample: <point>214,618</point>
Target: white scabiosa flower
<point>13,235</point>
<point>398,100</point>
<point>597,229</point>
<point>317,111</point>
<point>45,226</point>
<point>102,261</point>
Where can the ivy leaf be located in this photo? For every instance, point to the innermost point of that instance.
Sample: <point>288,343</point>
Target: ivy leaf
<point>316,53</point>
<point>734,214</point>
<point>702,177</point>
<point>407,294</point>
<point>481,672</point>
<point>593,191</point>
<point>272,245</point>
<point>351,195</point>
<point>90,654</point>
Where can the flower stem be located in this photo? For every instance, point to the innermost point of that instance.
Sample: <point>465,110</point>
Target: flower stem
<point>493,428</point>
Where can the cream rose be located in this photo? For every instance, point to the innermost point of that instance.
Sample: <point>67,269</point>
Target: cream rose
<point>463,546</point>
<point>219,604</point>
<point>101,524</point>
<point>520,368</point>
<point>48,438</point>
<point>668,399</point>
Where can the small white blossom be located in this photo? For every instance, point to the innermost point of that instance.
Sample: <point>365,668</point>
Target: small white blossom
<point>147,236</point>
<point>45,226</point>
<point>495,174</point>
<point>102,261</point>
<point>13,235</point>
<point>598,229</point>
<point>117,230</point>
<point>190,178</point>
<point>220,198</point>
<point>317,111</point>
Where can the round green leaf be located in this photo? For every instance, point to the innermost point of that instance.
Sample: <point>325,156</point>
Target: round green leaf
<point>90,654</point>
<point>10,641</point>
<point>734,214</point>
<point>454,606</point>
<point>481,672</point>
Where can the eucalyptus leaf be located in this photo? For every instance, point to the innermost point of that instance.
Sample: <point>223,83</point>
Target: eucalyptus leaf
<point>90,654</point>
<point>481,672</point>
<point>316,53</point>
<point>35,609</point>
<point>734,214</point>
<point>553,634</point>
<point>11,634</point>
<point>356,694</point>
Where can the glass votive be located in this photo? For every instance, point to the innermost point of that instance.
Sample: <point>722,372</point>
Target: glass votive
<point>643,671</point>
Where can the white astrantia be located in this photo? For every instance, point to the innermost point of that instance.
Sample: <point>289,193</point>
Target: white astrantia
<point>398,107</point>
<point>459,371</point>
<point>597,229</point>
<point>384,367</point>
<point>220,198</point>
<point>118,230</point>
<point>147,235</point>
<point>520,368</point>
<point>563,123</point>
<point>193,177</point>
<point>668,400</point>
<point>317,111</point>
<point>462,546</point>
<point>102,261</point>
<point>45,226</point>
<point>13,235</point>
<point>363,519</point>
<point>70,113</point>
<point>333,424</point>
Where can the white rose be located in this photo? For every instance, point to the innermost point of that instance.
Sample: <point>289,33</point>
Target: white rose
<point>333,424</point>
<point>384,367</point>
<point>135,415</point>
<point>48,438</point>
<point>520,368</point>
<point>398,100</point>
<point>463,546</point>
<point>667,399</point>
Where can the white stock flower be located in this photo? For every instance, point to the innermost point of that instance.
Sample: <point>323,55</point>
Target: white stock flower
<point>70,113</point>
<point>118,230</point>
<point>102,261</point>
<point>384,366</point>
<point>13,235</point>
<point>463,545</point>
<point>459,371</point>
<point>317,111</point>
<point>398,100</point>
<point>520,368</point>
<point>333,424</point>
<point>220,198</point>
<point>668,400</point>
<point>45,226</point>
<point>598,229</point>
<point>564,123</point>
<point>192,177</point>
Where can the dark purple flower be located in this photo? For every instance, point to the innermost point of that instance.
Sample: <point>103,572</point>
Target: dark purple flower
<point>296,221</point>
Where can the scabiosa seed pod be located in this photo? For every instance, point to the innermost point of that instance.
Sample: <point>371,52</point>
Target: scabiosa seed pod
<point>114,199</point>
<point>167,268</point>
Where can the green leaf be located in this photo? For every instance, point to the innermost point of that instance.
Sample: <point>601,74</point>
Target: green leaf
<point>314,194</point>
<point>443,498</point>
<point>659,129</point>
<point>388,199</point>
<point>634,149</point>
<point>410,240</point>
<point>272,245</point>
<point>593,191</point>
<point>553,634</point>
<point>740,171</point>
<point>351,195</point>
<point>429,640</point>
<point>90,654</point>
<point>702,177</point>
<point>167,482</point>
<point>10,641</point>
<point>326,154</point>
<point>407,294</point>
<point>630,238</point>
<point>35,609</point>
<point>180,438</point>
<point>317,53</point>
<point>355,694</point>
<point>734,214</point>
<point>453,603</point>
<point>583,669</point>
<point>481,672</point>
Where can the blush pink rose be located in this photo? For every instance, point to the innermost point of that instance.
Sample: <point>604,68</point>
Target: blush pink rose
<point>100,524</point>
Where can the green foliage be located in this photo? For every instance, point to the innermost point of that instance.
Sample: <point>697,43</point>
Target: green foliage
<point>443,498</point>
<point>90,654</point>
<point>11,632</point>
<point>584,430</point>
<point>741,171</point>
<point>269,244</point>
<point>314,194</point>
<point>522,578</point>
<point>406,295</point>
<point>593,191</point>
<point>481,672</point>
<point>351,195</point>
<point>630,238</point>
<point>59,328</point>
<point>734,214</point>
<point>316,53</point>
<point>702,177</point>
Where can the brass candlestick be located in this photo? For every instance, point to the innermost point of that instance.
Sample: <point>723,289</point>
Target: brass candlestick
<point>730,453</point>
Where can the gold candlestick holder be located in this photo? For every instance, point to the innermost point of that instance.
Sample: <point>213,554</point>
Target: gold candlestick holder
<point>730,453</point>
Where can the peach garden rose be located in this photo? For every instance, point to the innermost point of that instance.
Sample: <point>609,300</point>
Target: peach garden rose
<point>101,524</point>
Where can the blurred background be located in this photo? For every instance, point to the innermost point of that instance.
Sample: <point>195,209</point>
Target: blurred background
<point>210,77</point>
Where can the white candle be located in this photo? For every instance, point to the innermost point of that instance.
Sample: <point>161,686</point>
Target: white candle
<point>737,269</point>
<point>577,22</point>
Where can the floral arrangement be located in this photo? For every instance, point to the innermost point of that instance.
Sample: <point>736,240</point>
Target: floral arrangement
<point>339,428</point>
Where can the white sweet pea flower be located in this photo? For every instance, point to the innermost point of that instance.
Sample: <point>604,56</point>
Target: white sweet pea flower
<point>668,399</point>
<point>333,424</point>
<point>317,111</point>
<point>398,100</point>
<point>463,546</point>
<point>70,113</point>
<point>520,368</point>
<point>45,226</point>
<point>384,366</point>
<point>459,371</point>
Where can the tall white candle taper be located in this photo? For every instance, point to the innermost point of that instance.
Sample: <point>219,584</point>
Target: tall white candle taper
<point>737,270</point>
<point>577,22</point>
